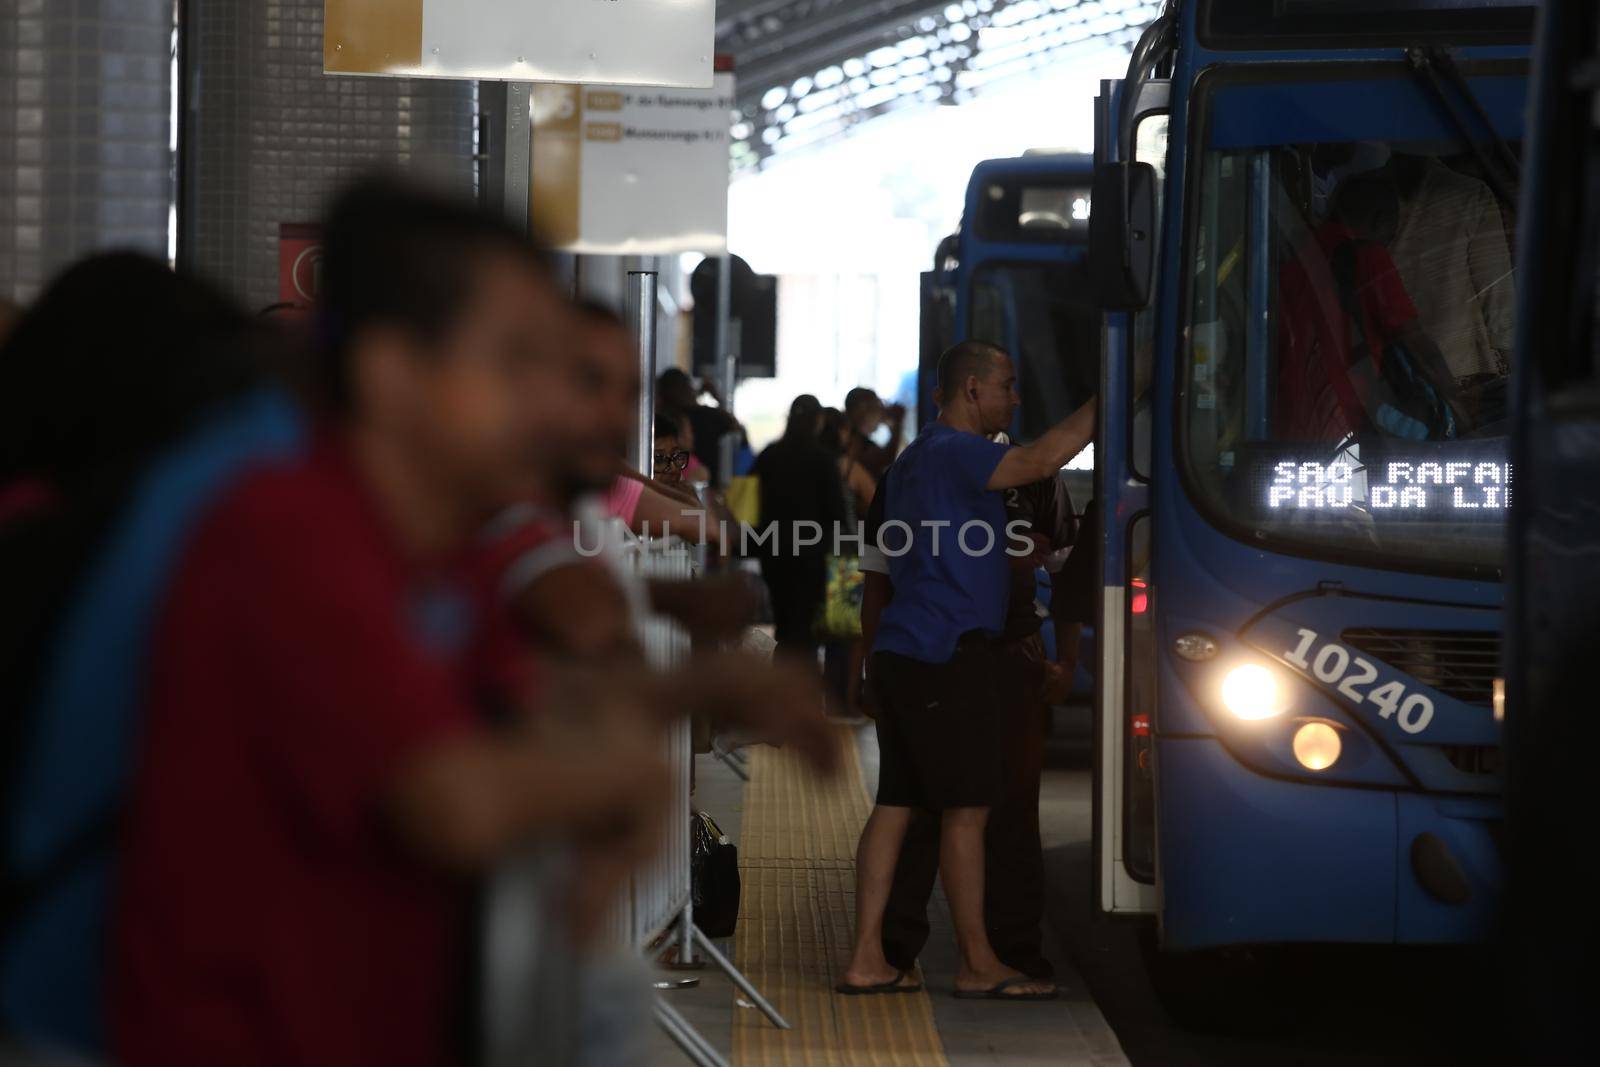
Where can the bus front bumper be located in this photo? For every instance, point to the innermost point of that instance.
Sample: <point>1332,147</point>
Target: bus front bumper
<point>1250,859</point>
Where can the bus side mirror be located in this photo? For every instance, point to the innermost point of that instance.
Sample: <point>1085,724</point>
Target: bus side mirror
<point>1122,235</point>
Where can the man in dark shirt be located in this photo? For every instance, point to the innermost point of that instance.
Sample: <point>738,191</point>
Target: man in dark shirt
<point>937,656</point>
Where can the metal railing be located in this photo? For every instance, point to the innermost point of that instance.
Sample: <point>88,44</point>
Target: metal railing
<point>662,890</point>
<point>535,982</point>
<point>663,895</point>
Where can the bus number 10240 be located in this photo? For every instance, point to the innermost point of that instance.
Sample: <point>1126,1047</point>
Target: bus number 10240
<point>1350,675</point>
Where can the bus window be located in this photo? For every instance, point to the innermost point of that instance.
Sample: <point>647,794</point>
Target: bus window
<point>1150,146</point>
<point>1351,316</point>
<point>1053,212</point>
<point>1044,315</point>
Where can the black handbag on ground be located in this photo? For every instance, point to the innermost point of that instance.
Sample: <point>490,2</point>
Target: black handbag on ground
<point>714,876</point>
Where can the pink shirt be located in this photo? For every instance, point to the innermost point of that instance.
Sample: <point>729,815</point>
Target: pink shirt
<point>622,502</point>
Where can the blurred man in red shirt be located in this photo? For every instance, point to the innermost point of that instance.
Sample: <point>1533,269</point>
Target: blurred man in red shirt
<point>316,789</point>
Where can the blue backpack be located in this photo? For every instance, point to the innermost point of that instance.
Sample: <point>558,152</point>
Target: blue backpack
<point>77,737</point>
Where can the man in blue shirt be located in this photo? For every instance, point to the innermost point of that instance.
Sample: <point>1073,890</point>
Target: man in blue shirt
<point>936,661</point>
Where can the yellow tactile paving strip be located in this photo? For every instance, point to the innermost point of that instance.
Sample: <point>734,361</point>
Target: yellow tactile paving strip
<point>797,860</point>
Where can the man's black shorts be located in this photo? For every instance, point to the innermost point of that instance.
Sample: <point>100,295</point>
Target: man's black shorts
<point>940,738</point>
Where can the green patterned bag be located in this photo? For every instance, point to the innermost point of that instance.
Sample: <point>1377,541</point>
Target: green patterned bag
<point>839,617</point>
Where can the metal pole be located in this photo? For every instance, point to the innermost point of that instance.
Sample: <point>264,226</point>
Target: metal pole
<point>686,929</point>
<point>730,371</point>
<point>744,984</point>
<point>686,1037</point>
<point>642,313</point>
<point>724,309</point>
<point>727,363</point>
<point>187,105</point>
<point>518,142</point>
<point>530,1001</point>
<point>733,760</point>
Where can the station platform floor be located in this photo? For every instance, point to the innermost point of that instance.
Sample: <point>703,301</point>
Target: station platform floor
<point>796,838</point>
<point>1344,1006</point>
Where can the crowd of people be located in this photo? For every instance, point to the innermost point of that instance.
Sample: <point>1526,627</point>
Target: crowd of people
<point>300,643</point>
<point>816,483</point>
<point>311,622</point>
<point>962,684</point>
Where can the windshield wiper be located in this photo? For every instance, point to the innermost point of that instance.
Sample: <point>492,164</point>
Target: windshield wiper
<point>1433,67</point>
<point>1444,62</point>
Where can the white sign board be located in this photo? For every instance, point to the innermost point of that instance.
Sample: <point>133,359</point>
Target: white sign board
<point>633,42</point>
<point>633,170</point>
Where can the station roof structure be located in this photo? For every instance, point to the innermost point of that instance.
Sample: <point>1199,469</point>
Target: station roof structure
<point>809,70</point>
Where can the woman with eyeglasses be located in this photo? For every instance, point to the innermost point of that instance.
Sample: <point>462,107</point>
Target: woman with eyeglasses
<point>672,458</point>
<point>696,474</point>
<point>674,466</point>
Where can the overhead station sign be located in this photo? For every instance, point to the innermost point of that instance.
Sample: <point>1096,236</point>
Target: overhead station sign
<point>624,42</point>
<point>633,170</point>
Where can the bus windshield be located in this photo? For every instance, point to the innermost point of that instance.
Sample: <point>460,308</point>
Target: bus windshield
<point>1043,314</point>
<point>1351,313</point>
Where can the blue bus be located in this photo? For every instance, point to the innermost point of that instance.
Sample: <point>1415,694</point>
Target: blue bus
<point>1016,274</point>
<point>1553,613</point>
<point>1303,236</point>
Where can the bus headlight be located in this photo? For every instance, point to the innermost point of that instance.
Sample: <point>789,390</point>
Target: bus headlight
<point>1316,746</point>
<point>1252,691</point>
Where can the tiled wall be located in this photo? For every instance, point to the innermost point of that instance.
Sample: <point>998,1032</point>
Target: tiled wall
<point>84,133</point>
<point>274,136</point>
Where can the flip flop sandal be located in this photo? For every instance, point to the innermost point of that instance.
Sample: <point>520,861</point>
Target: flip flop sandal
<point>897,984</point>
<point>998,991</point>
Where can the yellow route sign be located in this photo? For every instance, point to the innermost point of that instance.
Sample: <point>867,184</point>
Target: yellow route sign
<point>620,42</point>
<point>634,170</point>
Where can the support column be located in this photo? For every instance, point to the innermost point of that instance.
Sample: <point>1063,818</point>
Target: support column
<point>519,153</point>
<point>642,317</point>
<point>85,151</point>
<point>274,137</point>
<point>728,337</point>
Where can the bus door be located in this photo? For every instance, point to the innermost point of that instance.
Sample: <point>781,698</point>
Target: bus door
<point>1554,614</point>
<point>1124,816</point>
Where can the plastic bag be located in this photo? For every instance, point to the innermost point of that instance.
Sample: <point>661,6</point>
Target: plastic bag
<point>714,874</point>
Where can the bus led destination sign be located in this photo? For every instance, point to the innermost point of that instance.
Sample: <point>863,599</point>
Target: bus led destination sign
<point>1392,485</point>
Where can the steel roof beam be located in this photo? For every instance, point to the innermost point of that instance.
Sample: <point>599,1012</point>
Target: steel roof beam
<point>780,43</point>
<point>730,13</point>
<point>840,29</point>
